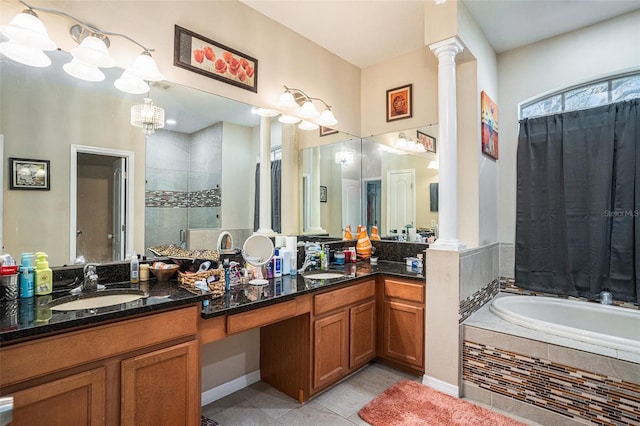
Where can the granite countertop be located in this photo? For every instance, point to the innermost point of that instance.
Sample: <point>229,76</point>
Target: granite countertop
<point>32,317</point>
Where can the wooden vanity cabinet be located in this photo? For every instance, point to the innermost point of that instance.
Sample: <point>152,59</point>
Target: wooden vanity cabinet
<point>402,321</point>
<point>138,371</point>
<point>344,336</point>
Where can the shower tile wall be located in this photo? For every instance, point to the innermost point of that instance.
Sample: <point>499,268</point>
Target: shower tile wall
<point>182,183</point>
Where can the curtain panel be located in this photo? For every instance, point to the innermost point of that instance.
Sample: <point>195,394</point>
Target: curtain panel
<point>578,202</point>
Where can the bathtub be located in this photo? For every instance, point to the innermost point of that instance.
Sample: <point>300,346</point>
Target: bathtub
<point>603,325</point>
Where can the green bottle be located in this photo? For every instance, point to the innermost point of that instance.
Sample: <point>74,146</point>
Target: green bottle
<point>43,275</point>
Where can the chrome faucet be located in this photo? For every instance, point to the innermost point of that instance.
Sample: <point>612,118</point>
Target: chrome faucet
<point>606,298</point>
<point>90,282</point>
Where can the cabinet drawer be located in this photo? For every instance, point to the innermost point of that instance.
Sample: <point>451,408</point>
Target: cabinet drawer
<point>260,317</point>
<point>345,296</point>
<point>404,290</point>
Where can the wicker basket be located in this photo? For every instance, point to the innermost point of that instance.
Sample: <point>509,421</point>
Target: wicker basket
<point>188,281</point>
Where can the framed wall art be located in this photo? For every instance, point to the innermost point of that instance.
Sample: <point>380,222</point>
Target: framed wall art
<point>29,174</point>
<point>489,112</point>
<point>212,59</point>
<point>399,103</point>
<point>429,142</point>
<point>326,131</point>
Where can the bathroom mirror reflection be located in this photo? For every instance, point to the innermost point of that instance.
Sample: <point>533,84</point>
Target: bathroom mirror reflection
<point>387,185</point>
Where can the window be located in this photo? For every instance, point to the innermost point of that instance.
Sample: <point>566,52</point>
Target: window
<point>601,92</point>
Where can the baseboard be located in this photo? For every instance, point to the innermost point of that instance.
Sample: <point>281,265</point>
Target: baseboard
<point>229,387</point>
<point>441,386</point>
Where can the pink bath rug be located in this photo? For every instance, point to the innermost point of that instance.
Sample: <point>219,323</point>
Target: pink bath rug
<point>409,403</point>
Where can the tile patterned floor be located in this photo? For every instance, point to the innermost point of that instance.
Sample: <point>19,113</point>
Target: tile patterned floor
<point>260,404</point>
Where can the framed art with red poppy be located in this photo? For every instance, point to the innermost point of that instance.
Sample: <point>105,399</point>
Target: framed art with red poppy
<point>399,103</point>
<point>212,59</point>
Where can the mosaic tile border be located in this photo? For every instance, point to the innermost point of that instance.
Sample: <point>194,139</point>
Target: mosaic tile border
<point>562,389</point>
<point>477,300</point>
<point>183,199</point>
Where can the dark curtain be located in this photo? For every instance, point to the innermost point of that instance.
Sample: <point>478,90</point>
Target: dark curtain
<point>275,197</point>
<point>578,202</point>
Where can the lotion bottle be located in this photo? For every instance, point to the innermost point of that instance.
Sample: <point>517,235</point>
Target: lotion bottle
<point>43,275</point>
<point>135,268</point>
<point>277,264</point>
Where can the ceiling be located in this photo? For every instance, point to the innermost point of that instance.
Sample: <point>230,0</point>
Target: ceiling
<point>367,32</point>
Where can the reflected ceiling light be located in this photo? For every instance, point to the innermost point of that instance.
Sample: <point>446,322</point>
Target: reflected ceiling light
<point>434,165</point>
<point>147,116</point>
<point>266,112</point>
<point>344,157</point>
<point>129,83</point>
<point>307,125</point>
<point>28,39</point>
<point>302,105</point>
<point>79,69</point>
<point>288,119</point>
<point>170,122</point>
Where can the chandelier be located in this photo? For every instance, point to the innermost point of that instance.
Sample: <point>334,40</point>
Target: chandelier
<point>147,116</point>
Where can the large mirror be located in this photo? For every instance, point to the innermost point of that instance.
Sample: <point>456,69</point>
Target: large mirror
<point>374,181</point>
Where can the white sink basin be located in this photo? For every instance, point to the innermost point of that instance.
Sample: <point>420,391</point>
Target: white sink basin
<point>96,300</point>
<point>324,275</point>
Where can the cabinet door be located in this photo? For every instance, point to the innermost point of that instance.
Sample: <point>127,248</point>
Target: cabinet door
<point>403,333</point>
<point>330,348</point>
<point>362,333</point>
<point>162,387</point>
<point>74,400</point>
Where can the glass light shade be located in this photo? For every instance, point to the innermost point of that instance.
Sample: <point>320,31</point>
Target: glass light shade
<point>147,116</point>
<point>308,110</point>
<point>93,51</point>
<point>28,30</point>
<point>401,142</point>
<point>145,68</point>
<point>434,165</point>
<point>327,118</point>
<point>287,100</point>
<point>129,83</point>
<point>307,125</point>
<point>265,112</point>
<point>288,119</point>
<point>83,71</point>
<point>25,55</point>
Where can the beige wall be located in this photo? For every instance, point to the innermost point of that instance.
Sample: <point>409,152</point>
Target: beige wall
<point>596,51</point>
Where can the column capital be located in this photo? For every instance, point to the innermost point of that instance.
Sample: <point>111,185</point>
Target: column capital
<point>451,45</point>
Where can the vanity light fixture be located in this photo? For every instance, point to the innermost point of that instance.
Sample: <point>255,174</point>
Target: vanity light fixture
<point>28,39</point>
<point>288,119</point>
<point>147,116</point>
<point>302,105</point>
<point>409,145</point>
<point>265,112</point>
<point>434,165</point>
<point>307,125</point>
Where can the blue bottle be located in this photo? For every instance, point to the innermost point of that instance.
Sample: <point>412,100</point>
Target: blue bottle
<point>26,275</point>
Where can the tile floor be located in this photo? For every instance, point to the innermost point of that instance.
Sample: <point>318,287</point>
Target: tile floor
<point>260,404</point>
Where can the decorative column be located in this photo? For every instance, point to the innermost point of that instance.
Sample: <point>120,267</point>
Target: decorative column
<point>446,52</point>
<point>265,177</point>
<point>314,194</point>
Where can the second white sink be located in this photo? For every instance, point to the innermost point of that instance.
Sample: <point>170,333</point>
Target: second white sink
<point>97,300</point>
<point>324,275</point>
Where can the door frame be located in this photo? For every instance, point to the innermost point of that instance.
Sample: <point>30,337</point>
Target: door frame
<point>413,185</point>
<point>73,196</point>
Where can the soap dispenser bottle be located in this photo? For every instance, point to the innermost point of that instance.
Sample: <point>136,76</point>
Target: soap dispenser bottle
<point>43,275</point>
<point>135,268</point>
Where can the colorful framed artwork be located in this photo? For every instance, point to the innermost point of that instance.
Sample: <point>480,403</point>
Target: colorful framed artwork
<point>212,59</point>
<point>399,103</point>
<point>489,113</point>
<point>429,142</point>
<point>29,174</point>
<point>323,194</point>
<point>326,131</point>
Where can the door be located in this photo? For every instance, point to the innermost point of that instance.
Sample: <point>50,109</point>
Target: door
<point>119,204</point>
<point>373,205</point>
<point>362,333</point>
<point>330,348</point>
<point>351,203</point>
<point>403,331</point>
<point>74,400</point>
<point>400,200</point>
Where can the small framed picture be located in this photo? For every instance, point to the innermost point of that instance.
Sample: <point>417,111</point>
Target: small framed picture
<point>326,131</point>
<point>399,103</point>
<point>323,194</point>
<point>29,174</point>
<point>429,142</point>
<point>489,116</point>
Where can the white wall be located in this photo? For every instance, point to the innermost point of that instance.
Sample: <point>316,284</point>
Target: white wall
<point>580,56</point>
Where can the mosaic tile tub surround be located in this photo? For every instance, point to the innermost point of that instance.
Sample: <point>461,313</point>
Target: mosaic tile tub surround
<point>566,390</point>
